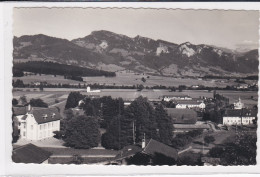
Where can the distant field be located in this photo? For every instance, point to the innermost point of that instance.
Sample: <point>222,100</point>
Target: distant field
<point>129,79</point>
<point>133,79</point>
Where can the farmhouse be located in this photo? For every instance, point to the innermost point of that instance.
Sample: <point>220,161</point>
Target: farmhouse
<point>239,117</point>
<point>30,153</point>
<point>183,104</point>
<point>176,97</point>
<point>182,116</point>
<point>39,123</point>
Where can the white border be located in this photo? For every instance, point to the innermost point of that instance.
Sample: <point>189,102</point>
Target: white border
<point>9,168</point>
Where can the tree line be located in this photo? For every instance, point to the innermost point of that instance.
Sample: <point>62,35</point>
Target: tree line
<point>41,67</point>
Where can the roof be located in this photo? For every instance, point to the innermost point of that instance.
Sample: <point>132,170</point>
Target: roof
<point>193,102</point>
<point>19,110</point>
<point>182,96</point>
<point>156,147</point>
<point>191,126</point>
<point>39,112</point>
<point>30,153</point>
<point>240,113</point>
<point>182,116</point>
<point>128,151</point>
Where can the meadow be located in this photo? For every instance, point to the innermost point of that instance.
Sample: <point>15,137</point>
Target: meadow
<point>128,79</point>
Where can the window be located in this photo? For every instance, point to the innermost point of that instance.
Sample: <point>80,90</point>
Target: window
<point>31,127</point>
<point>24,133</point>
<point>24,126</point>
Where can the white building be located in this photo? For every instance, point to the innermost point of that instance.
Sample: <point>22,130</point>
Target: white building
<point>239,104</point>
<point>239,117</point>
<point>174,97</point>
<point>183,104</point>
<point>92,91</point>
<point>38,123</point>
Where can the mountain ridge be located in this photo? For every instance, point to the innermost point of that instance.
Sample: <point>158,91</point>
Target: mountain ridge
<point>140,54</point>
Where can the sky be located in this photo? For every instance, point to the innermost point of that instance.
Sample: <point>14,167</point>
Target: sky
<point>230,29</point>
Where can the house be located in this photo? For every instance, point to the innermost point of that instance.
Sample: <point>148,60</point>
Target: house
<point>183,104</point>
<point>176,97</point>
<point>239,117</point>
<point>180,128</point>
<point>182,116</point>
<point>150,151</point>
<point>239,104</point>
<point>155,147</point>
<point>38,123</point>
<point>30,153</point>
<point>92,91</point>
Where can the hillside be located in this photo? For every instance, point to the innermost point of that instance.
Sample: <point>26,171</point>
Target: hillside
<point>110,51</point>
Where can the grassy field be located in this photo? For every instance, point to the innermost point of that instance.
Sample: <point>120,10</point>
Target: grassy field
<point>128,79</point>
<point>133,79</point>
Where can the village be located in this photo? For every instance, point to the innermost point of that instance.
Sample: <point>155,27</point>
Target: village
<point>166,129</point>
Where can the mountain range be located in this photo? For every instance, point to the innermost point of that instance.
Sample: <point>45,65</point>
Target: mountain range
<point>109,51</point>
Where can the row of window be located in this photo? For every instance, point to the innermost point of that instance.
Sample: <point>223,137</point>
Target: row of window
<point>49,125</point>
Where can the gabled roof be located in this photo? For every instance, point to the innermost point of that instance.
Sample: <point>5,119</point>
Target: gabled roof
<point>19,110</point>
<point>38,114</point>
<point>30,153</point>
<point>155,147</point>
<point>191,102</point>
<point>240,113</point>
<point>182,116</point>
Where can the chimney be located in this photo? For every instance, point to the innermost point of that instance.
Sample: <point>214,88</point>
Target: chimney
<point>143,142</point>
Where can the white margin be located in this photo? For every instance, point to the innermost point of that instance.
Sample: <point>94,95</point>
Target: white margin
<point>10,168</point>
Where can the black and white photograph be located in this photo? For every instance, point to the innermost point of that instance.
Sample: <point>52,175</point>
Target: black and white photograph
<point>134,86</point>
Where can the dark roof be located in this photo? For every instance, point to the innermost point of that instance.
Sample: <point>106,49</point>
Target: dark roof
<point>128,151</point>
<point>30,153</point>
<point>191,126</point>
<point>182,116</point>
<point>154,147</point>
<point>21,110</point>
<point>240,112</point>
<point>39,112</point>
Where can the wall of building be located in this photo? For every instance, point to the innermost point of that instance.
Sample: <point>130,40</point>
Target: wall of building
<point>46,130</point>
<point>238,120</point>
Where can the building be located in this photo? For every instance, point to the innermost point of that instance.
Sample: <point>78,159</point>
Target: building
<point>183,104</point>
<point>239,104</point>
<point>38,123</point>
<point>176,97</point>
<point>30,153</point>
<point>155,147</point>
<point>239,117</point>
<point>92,91</point>
<point>182,116</point>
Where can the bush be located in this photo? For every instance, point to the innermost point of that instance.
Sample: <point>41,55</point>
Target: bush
<point>209,139</point>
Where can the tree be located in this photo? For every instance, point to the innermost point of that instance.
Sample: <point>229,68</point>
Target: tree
<point>164,125</point>
<point>23,100</point>
<point>14,102</point>
<point>82,132</point>
<point>240,152</point>
<point>73,100</point>
<point>209,139</point>
<point>38,103</point>
<point>143,79</point>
